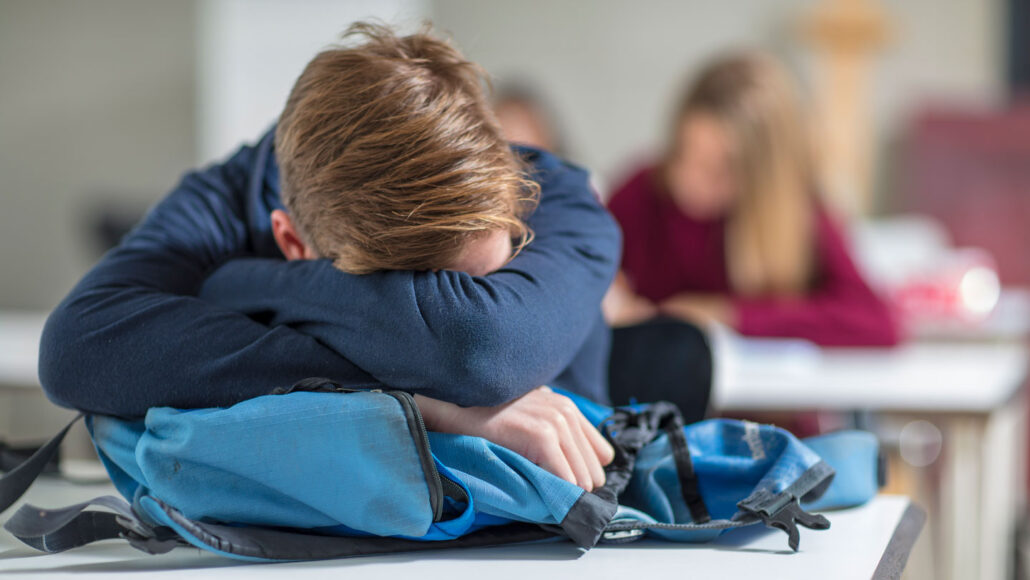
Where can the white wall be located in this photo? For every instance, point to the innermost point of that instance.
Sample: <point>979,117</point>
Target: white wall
<point>111,101</point>
<point>612,67</point>
<point>250,52</point>
<point>96,104</point>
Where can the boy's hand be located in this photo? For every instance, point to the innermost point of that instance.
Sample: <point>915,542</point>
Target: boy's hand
<point>542,426</point>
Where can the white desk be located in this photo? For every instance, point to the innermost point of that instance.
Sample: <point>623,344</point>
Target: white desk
<point>19,347</point>
<point>758,374</point>
<point>25,414</point>
<point>868,542</point>
<point>972,391</point>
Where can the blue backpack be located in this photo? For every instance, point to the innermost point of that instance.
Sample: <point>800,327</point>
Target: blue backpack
<point>319,471</point>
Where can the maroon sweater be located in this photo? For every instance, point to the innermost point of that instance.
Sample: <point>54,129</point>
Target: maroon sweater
<point>667,252</point>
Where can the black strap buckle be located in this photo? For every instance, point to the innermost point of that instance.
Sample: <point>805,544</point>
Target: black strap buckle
<point>159,543</point>
<point>783,512</point>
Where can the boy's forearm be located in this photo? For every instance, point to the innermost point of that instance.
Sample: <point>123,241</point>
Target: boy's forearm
<point>120,352</point>
<point>131,335</point>
<point>449,345</point>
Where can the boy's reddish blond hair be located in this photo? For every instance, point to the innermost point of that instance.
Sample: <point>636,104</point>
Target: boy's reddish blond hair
<point>390,157</point>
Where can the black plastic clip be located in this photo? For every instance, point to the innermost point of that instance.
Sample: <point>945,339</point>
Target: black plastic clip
<point>156,540</point>
<point>783,512</point>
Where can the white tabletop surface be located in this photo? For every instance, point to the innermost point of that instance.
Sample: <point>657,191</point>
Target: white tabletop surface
<point>779,374</point>
<point>851,548</point>
<point>19,347</point>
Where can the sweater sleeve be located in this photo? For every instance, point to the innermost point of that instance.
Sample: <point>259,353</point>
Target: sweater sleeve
<point>448,335</point>
<point>842,309</point>
<point>133,335</point>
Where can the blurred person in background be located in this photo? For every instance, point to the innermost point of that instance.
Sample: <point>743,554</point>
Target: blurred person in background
<point>729,228</point>
<point>526,118</point>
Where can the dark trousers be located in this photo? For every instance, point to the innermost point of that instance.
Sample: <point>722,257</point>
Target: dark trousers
<point>661,360</point>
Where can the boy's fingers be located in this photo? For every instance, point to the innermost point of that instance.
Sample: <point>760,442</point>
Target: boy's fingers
<point>579,427</point>
<point>590,456</point>
<point>603,449</point>
<point>574,454</point>
<point>552,458</point>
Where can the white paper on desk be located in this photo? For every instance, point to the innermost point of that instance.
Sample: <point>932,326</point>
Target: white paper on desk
<point>737,357</point>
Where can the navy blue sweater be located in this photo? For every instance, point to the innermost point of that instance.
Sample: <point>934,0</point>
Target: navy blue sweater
<point>197,308</point>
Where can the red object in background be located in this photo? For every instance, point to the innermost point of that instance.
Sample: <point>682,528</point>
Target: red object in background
<point>959,289</point>
<point>971,171</point>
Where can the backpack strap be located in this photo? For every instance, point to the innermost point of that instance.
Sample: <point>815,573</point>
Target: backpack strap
<point>776,510</point>
<point>57,530</point>
<point>15,482</point>
<point>286,544</point>
<point>629,429</point>
<point>690,488</point>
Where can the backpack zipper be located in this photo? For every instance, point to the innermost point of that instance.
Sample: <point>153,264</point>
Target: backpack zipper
<point>418,431</point>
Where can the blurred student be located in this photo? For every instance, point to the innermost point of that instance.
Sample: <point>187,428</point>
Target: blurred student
<point>525,118</point>
<point>728,227</point>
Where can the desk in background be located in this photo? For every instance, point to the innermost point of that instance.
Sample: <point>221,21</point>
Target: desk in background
<point>972,392</point>
<point>26,417</point>
<point>19,348</point>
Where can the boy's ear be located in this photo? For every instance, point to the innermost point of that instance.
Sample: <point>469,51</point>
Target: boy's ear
<point>288,239</point>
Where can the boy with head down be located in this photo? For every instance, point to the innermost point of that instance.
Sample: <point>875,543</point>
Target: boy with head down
<point>406,222</point>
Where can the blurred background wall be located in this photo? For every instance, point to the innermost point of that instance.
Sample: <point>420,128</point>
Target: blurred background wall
<point>251,51</point>
<point>104,104</point>
<point>96,107</point>
<point>614,69</point>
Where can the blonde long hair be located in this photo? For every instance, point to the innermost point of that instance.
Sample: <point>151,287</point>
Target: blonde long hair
<point>769,249</point>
